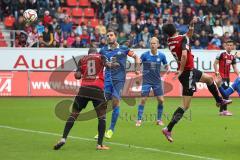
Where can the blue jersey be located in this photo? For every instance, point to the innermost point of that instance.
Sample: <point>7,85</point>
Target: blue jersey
<point>117,55</point>
<point>152,67</point>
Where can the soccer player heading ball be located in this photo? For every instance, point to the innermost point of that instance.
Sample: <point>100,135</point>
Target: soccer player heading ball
<point>90,70</point>
<point>186,73</point>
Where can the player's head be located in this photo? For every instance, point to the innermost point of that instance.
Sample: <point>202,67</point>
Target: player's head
<point>229,45</point>
<point>111,36</point>
<point>92,51</point>
<point>169,29</point>
<point>154,43</point>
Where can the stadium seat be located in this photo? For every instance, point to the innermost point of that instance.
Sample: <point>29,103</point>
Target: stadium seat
<point>67,10</point>
<point>3,44</point>
<point>72,3</point>
<point>9,21</point>
<point>82,20</point>
<point>89,12</point>
<point>94,22</point>
<point>84,3</point>
<point>77,12</point>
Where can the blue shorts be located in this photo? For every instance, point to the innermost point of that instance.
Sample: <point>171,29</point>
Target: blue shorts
<point>157,89</point>
<point>113,88</point>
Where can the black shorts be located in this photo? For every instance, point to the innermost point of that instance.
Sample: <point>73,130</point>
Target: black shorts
<point>225,84</point>
<point>86,94</point>
<point>188,79</point>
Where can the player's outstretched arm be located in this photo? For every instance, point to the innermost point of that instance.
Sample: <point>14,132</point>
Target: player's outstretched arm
<point>137,61</point>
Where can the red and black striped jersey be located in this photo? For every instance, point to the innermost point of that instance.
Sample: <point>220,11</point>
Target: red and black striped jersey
<point>225,62</point>
<point>176,45</point>
<point>91,68</point>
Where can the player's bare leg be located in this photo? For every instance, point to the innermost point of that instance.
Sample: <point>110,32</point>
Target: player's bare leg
<point>213,89</point>
<point>178,114</point>
<point>140,111</point>
<point>160,100</point>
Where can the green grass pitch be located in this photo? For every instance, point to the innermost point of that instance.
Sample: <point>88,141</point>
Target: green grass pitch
<point>29,129</point>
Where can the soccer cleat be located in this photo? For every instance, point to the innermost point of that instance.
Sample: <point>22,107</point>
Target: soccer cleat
<point>224,102</point>
<point>138,123</point>
<point>225,113</point>
<point>160,123</point>
<point>102,147</point>
<point>96,137</point>
<point>59,144</point>
<point>109,134</point>
<point>167,134</point>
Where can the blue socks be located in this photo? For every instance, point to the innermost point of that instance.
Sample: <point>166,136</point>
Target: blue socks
<point>140,111</point>
<point>115,114</point>
<point>159,111</point>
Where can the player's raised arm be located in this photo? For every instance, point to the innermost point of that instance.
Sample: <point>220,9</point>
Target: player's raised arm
<point>191,27</point>
<point>137,61</point>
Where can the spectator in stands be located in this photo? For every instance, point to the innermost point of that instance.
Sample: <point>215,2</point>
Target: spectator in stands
<point>78,30</point>
<point>19,24</point>
<point>21,40</point>
<point>90,29</point>
<point>197,45</point>
<point>103,42</point>
<point>113,24</point>
<point>203,39</point>
<point>47,19</point>
<point>225,38</point>
<point>102,29</point>
<point>77,43</point>
<point>32,4</point>
<point>144,38</point>
<point>126,26</point>
<point>122,38</point>
<point>20,8</point>
<point>71,39</point>
<point>58,36</point>
<point>217,29</point>
<point>40,28</point>
<point>132,14</point>
<point>85,39</point>
<point>216,41</point>
<point>47,37</point>
<point>95,36</point>
<point>32,40</point>
<point>216,8</point>
<point>133,41</point>
<point>181,27</point>
<point>228,27</point>
<point>66,27</point>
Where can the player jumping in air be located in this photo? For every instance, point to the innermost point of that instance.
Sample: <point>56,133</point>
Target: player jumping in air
<point>152,61</point>
<point>90,70</point>
<point>224,60</point>
<point>186,73</point>
<point>115,74</point>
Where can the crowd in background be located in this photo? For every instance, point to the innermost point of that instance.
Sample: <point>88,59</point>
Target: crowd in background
<point>134,20</point>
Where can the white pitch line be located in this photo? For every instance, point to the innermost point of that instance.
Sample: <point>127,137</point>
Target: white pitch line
<point>114,143</point>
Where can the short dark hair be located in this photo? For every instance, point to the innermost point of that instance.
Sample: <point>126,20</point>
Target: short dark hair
<point>169,29</point>
<point>229,41</point>
<point>112,30</point>
<point>92,50</point>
